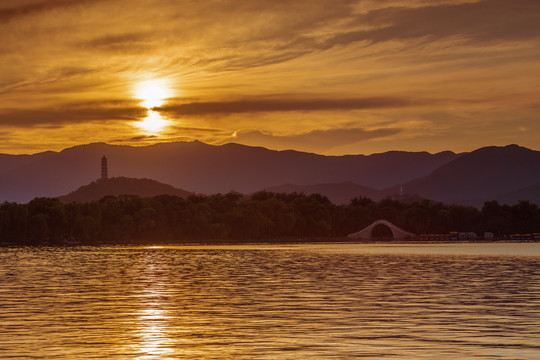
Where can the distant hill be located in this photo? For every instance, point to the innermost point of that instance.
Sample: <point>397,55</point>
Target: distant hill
<point>530,193</point>
<point>508,174</point>
<point>121,185</point>
<point>343,193</point>
<point>206,169</point>
<point>488,173</point>
<point>339,194</point>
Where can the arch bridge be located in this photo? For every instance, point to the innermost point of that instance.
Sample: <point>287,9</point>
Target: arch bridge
<point>366,233</point>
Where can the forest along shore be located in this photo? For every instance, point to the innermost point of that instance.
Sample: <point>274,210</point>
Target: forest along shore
<point>261,217</point>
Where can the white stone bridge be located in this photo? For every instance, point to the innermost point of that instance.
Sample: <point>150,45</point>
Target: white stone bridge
<point>365,233</point>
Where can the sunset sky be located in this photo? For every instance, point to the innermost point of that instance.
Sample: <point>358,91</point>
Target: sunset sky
<point>325,76</point>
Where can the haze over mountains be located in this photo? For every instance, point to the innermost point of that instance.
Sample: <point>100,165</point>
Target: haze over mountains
<point>507,174</point>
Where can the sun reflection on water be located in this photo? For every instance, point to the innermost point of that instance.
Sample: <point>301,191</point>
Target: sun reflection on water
<point>154,329</point>
<point>252,302</point>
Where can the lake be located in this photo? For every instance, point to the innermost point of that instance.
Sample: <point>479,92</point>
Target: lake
<point>320,301</point>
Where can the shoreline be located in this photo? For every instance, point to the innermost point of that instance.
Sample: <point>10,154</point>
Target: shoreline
<point>284,241</point>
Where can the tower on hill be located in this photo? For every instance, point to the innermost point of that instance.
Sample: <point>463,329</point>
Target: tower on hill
<point>104,170</point>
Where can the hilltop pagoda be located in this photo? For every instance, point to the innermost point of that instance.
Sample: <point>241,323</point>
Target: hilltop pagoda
<point>104,169</point>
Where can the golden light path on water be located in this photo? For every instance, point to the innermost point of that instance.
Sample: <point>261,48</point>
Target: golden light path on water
<point>153,316</point>
<point>153,334</point>
<point>312,301</point>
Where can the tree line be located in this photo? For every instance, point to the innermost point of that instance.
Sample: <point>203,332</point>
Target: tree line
<point>263,216</point>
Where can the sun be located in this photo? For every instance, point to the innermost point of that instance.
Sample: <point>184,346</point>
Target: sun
<point>152,92</point>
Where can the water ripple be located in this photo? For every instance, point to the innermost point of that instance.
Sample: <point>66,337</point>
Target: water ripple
<point>266,303</point>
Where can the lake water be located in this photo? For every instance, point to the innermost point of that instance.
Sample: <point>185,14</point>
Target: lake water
<point>324,301</point>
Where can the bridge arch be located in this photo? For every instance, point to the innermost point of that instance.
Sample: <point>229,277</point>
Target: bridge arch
<point>366,233</point>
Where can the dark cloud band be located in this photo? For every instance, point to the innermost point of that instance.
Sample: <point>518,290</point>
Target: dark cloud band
<point>38,7</point>
<point>73,113</point>
<point>271,105</point>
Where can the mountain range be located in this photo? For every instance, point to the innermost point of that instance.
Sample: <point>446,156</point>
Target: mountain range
<point>507,174</point>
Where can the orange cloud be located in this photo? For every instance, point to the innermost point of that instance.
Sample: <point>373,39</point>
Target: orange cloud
<point>310,141</point>
<point>282,68</point>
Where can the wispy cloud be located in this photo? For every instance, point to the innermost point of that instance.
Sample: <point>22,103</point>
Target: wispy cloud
<point>123,43</point>
<point>285,68</point>
<point>487,20</point>
<point>316,139</point>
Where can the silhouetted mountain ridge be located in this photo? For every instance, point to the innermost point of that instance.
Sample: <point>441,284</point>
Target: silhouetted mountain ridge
<point>207,169</point>
<point>508,174</point>
<point>485,174</point>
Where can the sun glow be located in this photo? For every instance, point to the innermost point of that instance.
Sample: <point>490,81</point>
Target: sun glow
<point>153,122</point>
<point>153,94</point>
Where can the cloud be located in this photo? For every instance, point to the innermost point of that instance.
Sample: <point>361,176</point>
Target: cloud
<point>277,66</point>
<point>122,43</point>
<point>317,139</point>
<point>488,20</point>
<point>255,105</point>
<point>198,130</point>
<point>93,111</point>
<point>191,133</point>
<point>7,14</point>
<point>132,139</point>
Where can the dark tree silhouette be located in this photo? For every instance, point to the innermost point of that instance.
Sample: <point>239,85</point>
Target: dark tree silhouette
<point>262,216</point>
